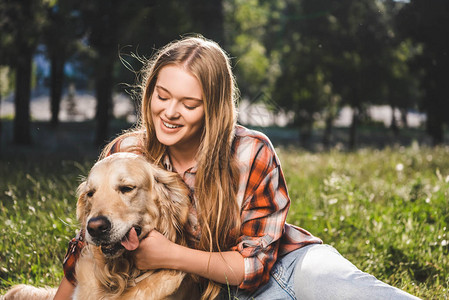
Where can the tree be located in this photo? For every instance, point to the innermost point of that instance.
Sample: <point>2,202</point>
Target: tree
<point>399,86</point>
<point>304,85</point>
<point>358,42</point>
<point>331,55</point>
<point>427,24</point>
<point>402,90</point>
<point>102,19</point>
<point>20,29</point>
<point>61,33</point>
<point>246,22</point>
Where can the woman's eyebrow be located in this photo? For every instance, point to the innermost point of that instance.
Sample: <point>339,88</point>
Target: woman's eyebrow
<point>185,98</point>
<point>162,88</point>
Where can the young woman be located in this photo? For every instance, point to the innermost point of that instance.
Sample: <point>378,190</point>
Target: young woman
<point>239,242</point>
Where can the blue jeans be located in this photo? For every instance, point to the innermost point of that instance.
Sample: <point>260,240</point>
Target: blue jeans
<point>319,272</point>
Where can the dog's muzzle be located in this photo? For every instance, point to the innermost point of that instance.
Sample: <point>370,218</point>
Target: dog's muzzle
<point>99,228</point>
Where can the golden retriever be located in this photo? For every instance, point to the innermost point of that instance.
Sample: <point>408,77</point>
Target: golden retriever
<point>123,198</point>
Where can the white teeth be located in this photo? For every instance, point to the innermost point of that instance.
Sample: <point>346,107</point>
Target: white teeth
<point>170,125</point>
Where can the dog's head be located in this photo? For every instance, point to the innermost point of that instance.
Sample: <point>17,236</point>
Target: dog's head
<point>126,195</point>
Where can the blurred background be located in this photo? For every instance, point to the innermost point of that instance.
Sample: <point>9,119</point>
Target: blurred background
<point>320,74</point>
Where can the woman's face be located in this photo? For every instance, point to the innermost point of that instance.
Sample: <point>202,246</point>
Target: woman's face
<point>177,108</point>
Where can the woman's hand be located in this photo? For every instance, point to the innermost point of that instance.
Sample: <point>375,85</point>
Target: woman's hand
<point>155,252</point>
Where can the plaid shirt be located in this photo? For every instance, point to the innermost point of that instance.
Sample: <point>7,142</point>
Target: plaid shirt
<point>264,202</point>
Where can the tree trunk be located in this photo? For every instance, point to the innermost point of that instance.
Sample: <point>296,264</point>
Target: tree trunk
<point>353,129</point>
<point>56,84</point>
<point>22,98</point>
<point>404,117</point>
<point>394,123</point>
<point>328,131</point>
<point>103,86</point>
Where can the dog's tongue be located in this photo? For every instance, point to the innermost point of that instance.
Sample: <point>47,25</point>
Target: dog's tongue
<point>132,242</point>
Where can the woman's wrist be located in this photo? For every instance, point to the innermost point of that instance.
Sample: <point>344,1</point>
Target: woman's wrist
<point>175,262</point>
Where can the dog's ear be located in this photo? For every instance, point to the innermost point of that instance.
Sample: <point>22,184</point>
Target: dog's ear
<point>174,199</point>
<point>81,212</point>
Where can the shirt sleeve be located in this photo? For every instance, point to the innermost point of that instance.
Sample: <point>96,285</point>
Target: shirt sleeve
<point>263,214</point>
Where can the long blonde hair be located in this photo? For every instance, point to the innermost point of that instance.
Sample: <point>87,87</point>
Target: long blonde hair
<point>216,180</point>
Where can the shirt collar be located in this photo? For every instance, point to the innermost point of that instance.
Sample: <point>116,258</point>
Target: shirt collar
<point>169,166</point>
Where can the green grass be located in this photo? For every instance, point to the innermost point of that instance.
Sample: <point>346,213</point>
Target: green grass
<point>37,219</point>
<point>387,211</point>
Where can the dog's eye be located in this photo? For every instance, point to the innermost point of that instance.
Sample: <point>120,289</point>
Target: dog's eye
<point>90,193</point>
<point>126,188</point>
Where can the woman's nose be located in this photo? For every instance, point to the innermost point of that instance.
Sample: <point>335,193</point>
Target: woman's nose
<point>171,111</point>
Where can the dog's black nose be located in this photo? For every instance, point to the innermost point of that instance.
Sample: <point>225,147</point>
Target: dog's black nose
<point>98,226</point>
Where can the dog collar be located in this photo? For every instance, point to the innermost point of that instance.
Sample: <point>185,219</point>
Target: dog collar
<point>142,277</point>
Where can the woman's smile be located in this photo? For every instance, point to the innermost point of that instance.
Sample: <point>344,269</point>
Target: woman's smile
<point>171,126</point>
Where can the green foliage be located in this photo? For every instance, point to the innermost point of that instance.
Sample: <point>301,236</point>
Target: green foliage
<point>20,28</point>
<point>386,211</point>
<point>246,29</point>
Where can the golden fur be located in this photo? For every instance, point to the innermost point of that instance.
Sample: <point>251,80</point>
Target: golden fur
<point>131,193</point>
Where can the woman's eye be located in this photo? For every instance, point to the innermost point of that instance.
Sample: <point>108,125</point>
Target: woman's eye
<point>189,107</point>
<point>126,189</point>
<point>162,98</point>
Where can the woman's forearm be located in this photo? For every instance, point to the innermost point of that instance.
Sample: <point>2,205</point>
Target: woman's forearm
<point>65,290</point>
<point>223,267</point>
